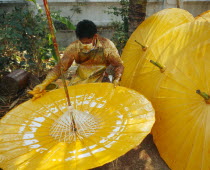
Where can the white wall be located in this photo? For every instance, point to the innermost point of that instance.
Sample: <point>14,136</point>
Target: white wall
<point>90,9</point>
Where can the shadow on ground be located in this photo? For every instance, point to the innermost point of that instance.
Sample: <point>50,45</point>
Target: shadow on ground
<point>144,157</point>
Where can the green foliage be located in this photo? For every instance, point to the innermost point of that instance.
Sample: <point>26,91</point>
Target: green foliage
<point>24,39</point>
<point>62,23</point>
<point>120,35</point>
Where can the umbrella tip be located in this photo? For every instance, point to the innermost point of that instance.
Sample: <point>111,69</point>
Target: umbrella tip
<point>144,48</point>
<point>204,95</point>
<point>162,68</point>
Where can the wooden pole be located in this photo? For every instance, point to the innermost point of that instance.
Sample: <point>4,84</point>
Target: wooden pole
<point>47,10</point>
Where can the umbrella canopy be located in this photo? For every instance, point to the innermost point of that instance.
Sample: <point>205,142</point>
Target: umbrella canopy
<point>108,122</point>
<point>161,55</point>
<point>145,35</point>
<point>205,16</point>
<point>182,104</point>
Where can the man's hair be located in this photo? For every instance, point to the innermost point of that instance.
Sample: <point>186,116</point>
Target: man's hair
<point>85,29</point>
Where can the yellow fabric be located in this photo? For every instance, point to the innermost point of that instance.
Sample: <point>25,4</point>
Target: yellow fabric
<point>125,118</point>
<point>146,34</point>
<point>182,130</point>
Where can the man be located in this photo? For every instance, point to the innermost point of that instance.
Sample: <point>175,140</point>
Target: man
<point>92,53</point>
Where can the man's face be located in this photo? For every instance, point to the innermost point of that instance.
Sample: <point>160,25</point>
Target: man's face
<point>88,44</point>
<point>86,40</point>
<point>89,40</point>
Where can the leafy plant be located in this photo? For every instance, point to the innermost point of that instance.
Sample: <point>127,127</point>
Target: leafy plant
<point>24,39</point>
<point>120,35</point>
<point>62,23</point>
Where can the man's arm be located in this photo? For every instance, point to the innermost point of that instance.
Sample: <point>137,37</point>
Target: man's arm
<point>63,65</point>
<point>114,59</point>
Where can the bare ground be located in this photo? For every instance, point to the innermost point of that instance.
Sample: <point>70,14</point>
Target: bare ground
<point>144,157</point>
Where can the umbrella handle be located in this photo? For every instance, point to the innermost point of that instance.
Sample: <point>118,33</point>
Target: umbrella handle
<point>204,95</point>
<point>144,48</point>
<point>162,68</point>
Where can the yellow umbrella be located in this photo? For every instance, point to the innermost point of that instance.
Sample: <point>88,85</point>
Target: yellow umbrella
<point>145,35</point>
<point>161,55</point>
<point>205,16</point>
<point>108,122</point>
<point>182,104</point>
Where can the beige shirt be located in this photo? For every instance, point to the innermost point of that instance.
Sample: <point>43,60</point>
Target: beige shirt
<point>104,54</point>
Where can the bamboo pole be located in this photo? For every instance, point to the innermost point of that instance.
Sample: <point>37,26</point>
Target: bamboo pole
<point>47,10</point>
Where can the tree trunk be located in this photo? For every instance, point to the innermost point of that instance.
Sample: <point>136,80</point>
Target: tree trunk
<point>137,13</point>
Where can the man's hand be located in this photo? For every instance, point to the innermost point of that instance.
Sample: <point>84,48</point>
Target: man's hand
<point>38,91</point>
<point>116,82</point>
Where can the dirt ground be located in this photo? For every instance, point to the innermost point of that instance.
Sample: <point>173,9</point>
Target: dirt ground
<point>144,157</point>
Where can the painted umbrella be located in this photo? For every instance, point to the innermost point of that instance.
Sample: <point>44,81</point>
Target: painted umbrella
<point>205,16</point>
<point>145,35</point>
<point>108,122</point>
<point>161,55</point>
<point>182,104</point>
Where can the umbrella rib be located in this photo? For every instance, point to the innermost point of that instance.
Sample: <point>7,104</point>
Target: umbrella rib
<point>104,98</point>
<point>206,80</point>
<point>31,139</point>
<point>89,101</point>
<point>22,139</point>
<point>83,99</point>
<point>183,51</point>
<point>96,113</point>
<point>66,127</point>
<point>195,137</point>
<point>181,83</point>
<point>102,146</point>
<point>191,63</point>
<point>135,69</point>
<point>36,155</point>
<point>180,132</point>
<point>205,144</point>
<point>195,103</point>
<point>183,143</point>
<point>24,118</point>
<point>47,108</point>
<point>57,106</point>
<point>27,152</point>
<point>89,150</point>
<point>187,77</point>
<point>118,108</point>
<point>145,55</point>
<point>176,117</point>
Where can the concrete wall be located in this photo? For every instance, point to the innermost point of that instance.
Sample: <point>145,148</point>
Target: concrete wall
<point>196,7</point>
<point>64,38</point>
<point>90,9</point>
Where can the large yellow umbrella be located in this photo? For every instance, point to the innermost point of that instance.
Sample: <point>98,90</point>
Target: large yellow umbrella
<point>161,55</point>
<point>205,16</point>
<point>108,122</point>
<point>145,35</point>
<point>182,104</point>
